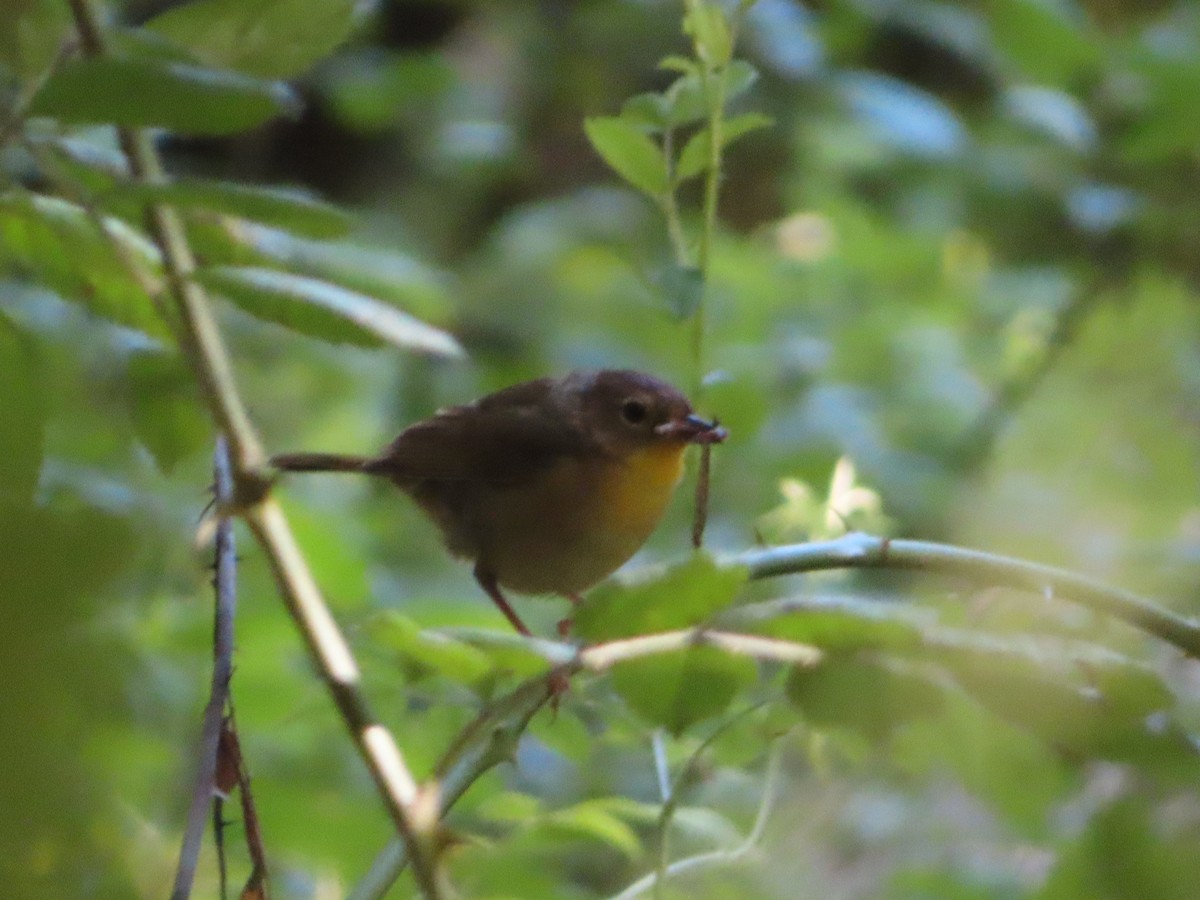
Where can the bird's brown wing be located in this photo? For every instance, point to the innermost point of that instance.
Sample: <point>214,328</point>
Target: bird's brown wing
<point>504,438</point>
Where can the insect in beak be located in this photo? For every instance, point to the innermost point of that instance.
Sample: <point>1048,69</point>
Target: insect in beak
<point>693,429</point>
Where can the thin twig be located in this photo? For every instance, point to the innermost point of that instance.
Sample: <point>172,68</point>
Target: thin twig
<point>481,746</point>
<point>719,857</point>
<point>231,748</point>
<point>225,585</point>
<point>864,551</point>
<point>202,346</point>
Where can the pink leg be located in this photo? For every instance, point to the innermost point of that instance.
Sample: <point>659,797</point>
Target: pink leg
<point>487,581</point>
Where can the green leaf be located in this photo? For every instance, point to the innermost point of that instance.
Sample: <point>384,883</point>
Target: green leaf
<point>23,422</point>
<point>56,244</point>
<point>432,651</point>
<point>675,690</point>
<point>867,696</point>
<point>324,310</point>
<point>678,597</point>
<point>267,38</point>
<point>32,33</point>
<point>592,819</point>
<point>277,207</point>
<point>837,623</point>
<point>387,274</point>
<point>649,110</point>
<point>740,76</point>
<point>166,409</point>
<point>707,25</point>
<point>686,100</point>
<point>149,92</point>
<point>697,152</point>
<point>630,152</point>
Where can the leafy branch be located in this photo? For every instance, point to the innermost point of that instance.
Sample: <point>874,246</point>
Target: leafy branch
<point>202,346</point>
<point>643,146</point>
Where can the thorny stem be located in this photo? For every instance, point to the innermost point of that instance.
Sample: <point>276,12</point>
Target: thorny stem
<point>202,346</point>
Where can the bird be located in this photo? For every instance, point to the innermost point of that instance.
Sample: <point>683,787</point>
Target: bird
<point>547,486</point>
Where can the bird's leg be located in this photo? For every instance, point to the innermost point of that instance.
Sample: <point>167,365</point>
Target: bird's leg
<point>487,581</point>
<point>564,625</point>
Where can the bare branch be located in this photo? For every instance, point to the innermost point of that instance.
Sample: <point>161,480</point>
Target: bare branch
<point>864,551</point>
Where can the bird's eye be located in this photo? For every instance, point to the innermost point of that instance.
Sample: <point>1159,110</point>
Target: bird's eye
<point>633,411</point>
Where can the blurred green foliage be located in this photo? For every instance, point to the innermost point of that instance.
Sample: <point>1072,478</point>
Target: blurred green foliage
<point>953,293</point>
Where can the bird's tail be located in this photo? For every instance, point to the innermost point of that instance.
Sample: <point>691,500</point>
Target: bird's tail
<point>319,462</point>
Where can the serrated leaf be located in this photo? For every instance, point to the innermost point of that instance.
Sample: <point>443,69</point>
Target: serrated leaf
<point>697,152</point>
<point>56,244</point>
<point>678,597</point>
<point>23,422</point>
<point>165,408</point>
<point>277,207</point>
<point>323,310</point>
<point>267,38</point>
<point>675,690</point>
<point>149,92</point>
<point>432,651</point>
<point>630,152</point>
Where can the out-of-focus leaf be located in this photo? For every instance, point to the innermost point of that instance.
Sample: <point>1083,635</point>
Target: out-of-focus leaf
<point>706,23</point>
<point>324,310</point>
<point>509,652</point>
<point>1050,43</point>
<point>902,116</point>
<point>866,696</point>
<point>432,651</point>
<point>683,595</point>
<point>682,288</point>
<point>23,422</point>
<point>675,690</point>
<point>56,244</point>
<point>837,623</point>
<point>592,820</point>
<point>686,101</point>
<point>1128,850</point>
<point>697,151</point>
<point>166,409</point>
<point>630,152</point>
<point>786,37</point>
<point>32,33</point>
<point>276,207</point>
<point>1053,113</point>
<point>387,274</point>
<point>267,38</point>
<point>139,92</point>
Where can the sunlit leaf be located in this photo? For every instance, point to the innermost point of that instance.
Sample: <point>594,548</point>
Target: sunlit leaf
<point>278,207</point>
<point>324,310</point>
<point>58,245</point>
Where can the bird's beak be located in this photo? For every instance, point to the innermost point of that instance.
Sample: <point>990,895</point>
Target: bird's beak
<point>693,430</point>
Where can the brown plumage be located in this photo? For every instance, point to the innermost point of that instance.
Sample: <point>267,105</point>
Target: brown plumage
<point>548,486</point>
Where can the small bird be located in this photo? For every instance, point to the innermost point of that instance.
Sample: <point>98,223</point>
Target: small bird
<point>547,486</point>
